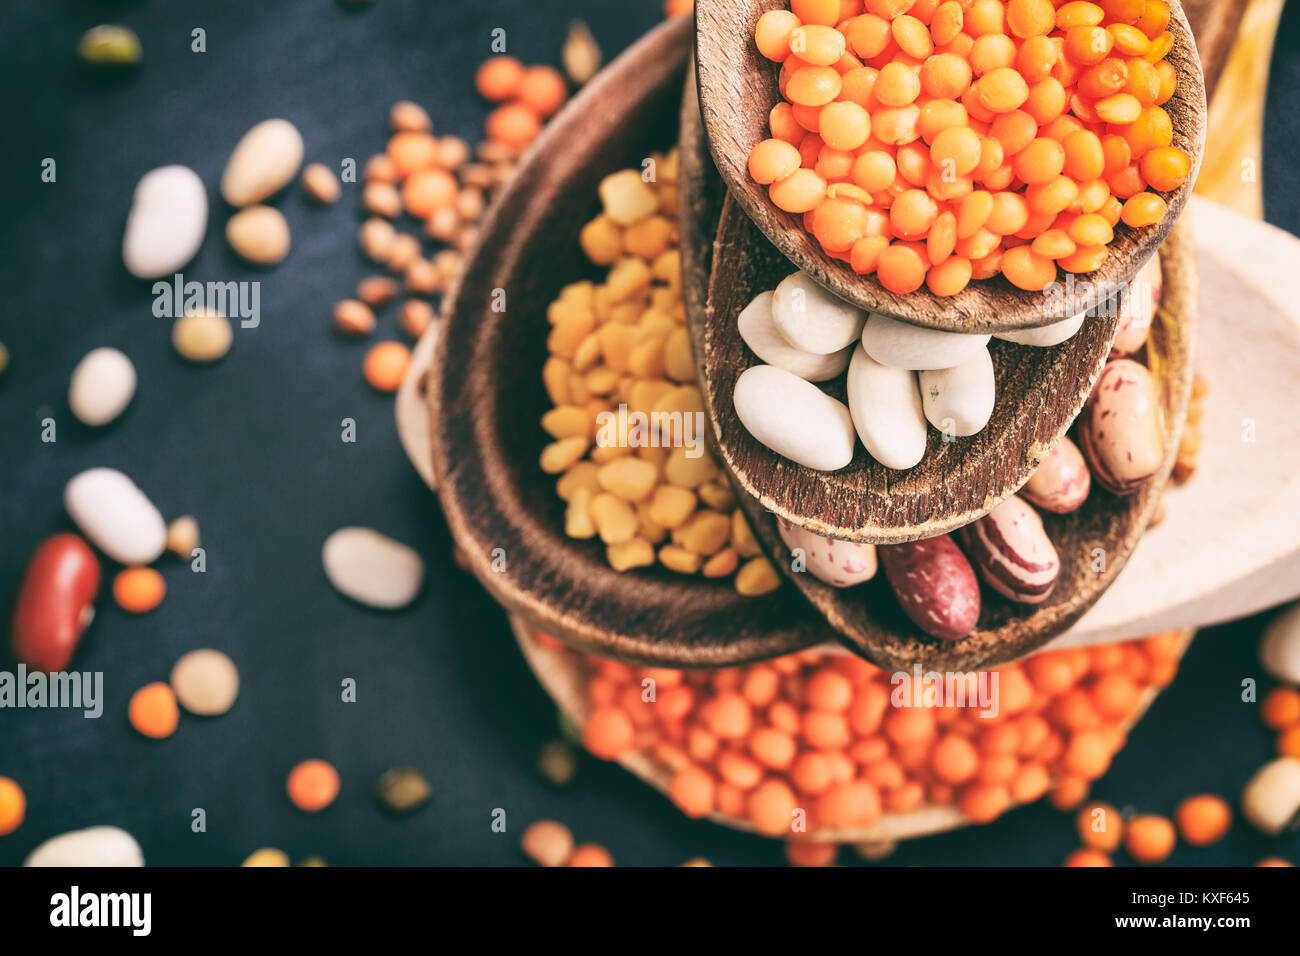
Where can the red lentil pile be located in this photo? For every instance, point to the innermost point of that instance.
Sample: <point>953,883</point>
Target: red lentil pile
<point>819,732</point>
<point>933,143</point>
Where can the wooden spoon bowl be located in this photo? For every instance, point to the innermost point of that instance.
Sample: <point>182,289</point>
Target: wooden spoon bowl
<point>1093,542</point>
<point>486,398</point>
<point>738,88</point>
<point>563,676</point>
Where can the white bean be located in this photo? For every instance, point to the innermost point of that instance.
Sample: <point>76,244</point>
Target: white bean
<point>811,319</point>
<point>766,341</point>
<point>899,345</point>
<point>886,408</point>
<point>372,568</point>
<point>165,227</point>
<point>102,386</point>
<point>959,401</point>
<point>116,516</point>
<point>1279,651</point>
<point>1047,335</point>
<point>94,846</point>
<point>794,418</point>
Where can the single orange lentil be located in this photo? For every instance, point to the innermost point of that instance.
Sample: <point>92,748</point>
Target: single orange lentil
<point>772,34</point>
<point>1280,708</point>
<point>13,806</point>
<point>1149,838</point>
<point>1203,819</point>
<point>772,159</point>
<point>427,191</point>
<point>983,802</point>
<point>1288,743</point>
<point>1030,18</point>
<point>773,748</point>
<point>513,124</point>
<point>153,712</point>
<point>728,716</point>
<point>498,78</point>
<point>543,90</point>
<point>608,732</point>
<point>385,365</point>
<point>814,86</point>
<point>1068,792</point>
<point>591,854</point>
<point>1040,161</point>
<point>313,785</point>
<point>1026,269</point>
<point>844,125</point>
<point>138,590</point>
<point>411,150</point>
<point>864,257</point>
<point>954,759</point>
<point>942,240</point>
<point>1100,826</point>
<point>693,790</point>
<point>799,192</point>
<point>1165,168</point>
<point>810,852</point>
<point>817,44</point>
<point>897,85</point>
<point>848,804</point>
<point>1001,90</point>
<point>900,268</point>
<point>1088,857</point>
<point>772,807</point>
<point>824,12</point>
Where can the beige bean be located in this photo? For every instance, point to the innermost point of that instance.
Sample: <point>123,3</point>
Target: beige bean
<point>629,277</point>
<point>320,183</point>
<point>679,559</point>
<point>721,564</point>
<point>707,533</point>
<point>403,252</point>
<point>686,472</point>
<point>259,234</point>
<point>678,362</point>
<point>376,291</point>
<point>629,478</point>
<point>354,318</point>
<point>757,576</point>
<point>548,843</point>
<point>555,377</point>
<point>614,518</point>
<point>672,506</point>
<point>380,169</point>
<point>415,317</point>
<point>577,517</point>
<point>442,225</point>
<point>566,421</point>
<point>376,238</point>
<point>423,278</point>
<point>559,455</point>
<point>601,240</point>
<point>202,336</point>
<point>635,553</point>
<point>717,496</point>
<point>381,199</point>
<point>742,536</point>
<point>581,475</point>
<point>406,115</point>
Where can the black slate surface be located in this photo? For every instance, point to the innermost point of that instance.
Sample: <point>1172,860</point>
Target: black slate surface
<point>251,446</point>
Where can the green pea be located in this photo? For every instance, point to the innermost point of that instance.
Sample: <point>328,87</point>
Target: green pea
<point>111,45</point>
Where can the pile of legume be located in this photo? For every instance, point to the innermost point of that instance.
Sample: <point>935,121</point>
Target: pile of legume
<point>845,742</point>
<point>938,142</point>
<point>620,349</point>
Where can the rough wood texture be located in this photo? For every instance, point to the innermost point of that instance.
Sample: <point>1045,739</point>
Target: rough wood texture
<point>738,88</point>
<point>1040,391</point>
<point>486,398</point>
<point>868,617</point>
<point>562,676</point>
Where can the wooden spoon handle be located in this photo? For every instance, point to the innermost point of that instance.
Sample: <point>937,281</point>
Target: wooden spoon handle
<point>1230,544</point>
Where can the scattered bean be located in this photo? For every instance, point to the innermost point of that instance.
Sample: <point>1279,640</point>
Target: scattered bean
<point>206,682</point>
<point>371,568</point>
<point>406,115</point>
<point>581,55</point>
<point>267,856</point>
<point>153,712</point>
<point>55,602</point>
<point>320,183</point>
<point>13,806</point>
<point>765,340</point>
<point>376,239</point>
<point>110,45</point>
<point>548,843</point>
<point>259,234</point>
<point>102,385</point>
<point>1047,335</point>
<point>138,590</point>
<point>958,401</point>
<point>557,763</point>
<point>264,161</point>
<point>94,846</point>
<point>591,854</point>
<point>385,366</point>
<point>1271,800</point>
<point>1279,650</point>
<point>116,516</point>
<point>900,345</point>
<point>885,405</point>
<point>794,418</point>
<point>415,317</point>
<point>812,319</point>
<point>1120,428</point>
<point>404,789</point>
<point>1204,819</point>
<point>202,337</point>
<point>166,223</point>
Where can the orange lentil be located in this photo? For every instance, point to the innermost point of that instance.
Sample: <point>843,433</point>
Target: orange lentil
<point>385,365</point>
<point>942,239</point>
<point>1030,782</point>
<point>772,34</point>
<point>865,254</point>
<point>772,159</point>
<point>1068,792</point>
<point>1086,857</point>
<point>693,791</point>
<point>983,803</point>
<point>312,785</point>
<point>1203,819</point>
<point>153,712</point>
<point>13,806</point>
<point>1280,708</point>
<point>138,590</point>
<point>1115,695</point>
<point>825,12</point>
<point>543,90</point>
<point>1030,18</point>
<point>814,86</point>
<point>608,732</point>
<point>817,44</point>
<point>825,729</point>
<point>1149,838</point>
<point>513,124</point>
<point>985,16</point>
<point>844,125</point>
<point>799,192</point>
<point>1165,167</point>
<point>1001,90</point>
<point>774,749</point>
<point>1100,826</point>
<point>498,78</point>
<point>1288,743</point>
<point>836,166</point>
<point>411,151</point>
<point>901,268</point>
<point>728,716</point>
<point>1026,269</point>
<point>810,852</point>
<point>771,807</point>
<point>427,191</point>
<point>954,760</point>
<point>990,52</point>
<point>783,125</point>
<point>591,854</point>
<point>848,804</point>
<point>946,22</point>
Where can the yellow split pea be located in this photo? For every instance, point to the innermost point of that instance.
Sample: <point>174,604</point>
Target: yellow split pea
<point>628,445</point>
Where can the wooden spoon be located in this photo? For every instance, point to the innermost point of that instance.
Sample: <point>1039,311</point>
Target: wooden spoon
<point>738,88</point>
<point>486,398</point>
<point>562,675</point>
<point>1100,535</point>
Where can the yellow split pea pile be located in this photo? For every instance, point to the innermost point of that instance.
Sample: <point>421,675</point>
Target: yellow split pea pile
<point>628,418</point>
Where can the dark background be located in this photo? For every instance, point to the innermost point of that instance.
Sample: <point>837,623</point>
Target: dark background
<point>251,447</point>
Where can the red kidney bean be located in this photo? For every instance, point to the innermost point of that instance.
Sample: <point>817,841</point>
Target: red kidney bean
<point>55,602</point>
<point>934,584</point>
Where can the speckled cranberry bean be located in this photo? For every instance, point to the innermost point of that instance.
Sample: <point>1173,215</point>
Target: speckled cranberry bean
<point>1119,430</point>
<point>1013,553</point>
<point>935,585</point>
<point>1062,482</point>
